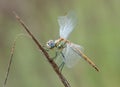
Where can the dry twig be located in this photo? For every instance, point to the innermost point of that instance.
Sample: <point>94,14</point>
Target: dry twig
<point>9,64</point>
<point>51,61</point>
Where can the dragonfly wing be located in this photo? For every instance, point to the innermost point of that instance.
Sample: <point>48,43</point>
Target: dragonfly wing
<point>80,53</point>
<point>67,24</point>
<point>70,56</point>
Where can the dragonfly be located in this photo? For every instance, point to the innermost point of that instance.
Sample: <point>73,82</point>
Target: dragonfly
<point>71,53</point>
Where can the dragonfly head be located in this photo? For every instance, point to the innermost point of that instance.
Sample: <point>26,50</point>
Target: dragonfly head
<point>50,44</point>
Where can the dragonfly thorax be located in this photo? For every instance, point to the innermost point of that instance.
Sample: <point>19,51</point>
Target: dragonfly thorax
<point>59,44</point>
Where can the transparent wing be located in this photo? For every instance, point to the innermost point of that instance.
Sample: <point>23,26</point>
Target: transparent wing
<point>67,24</point>
<point>71,57</point>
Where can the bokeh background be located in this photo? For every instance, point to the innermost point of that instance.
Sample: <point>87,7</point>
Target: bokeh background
<point>98,31</point>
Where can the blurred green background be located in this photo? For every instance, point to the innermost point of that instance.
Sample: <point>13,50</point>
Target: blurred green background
<point>98,31</point>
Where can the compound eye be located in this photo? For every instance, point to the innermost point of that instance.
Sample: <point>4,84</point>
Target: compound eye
<point>50,44</point>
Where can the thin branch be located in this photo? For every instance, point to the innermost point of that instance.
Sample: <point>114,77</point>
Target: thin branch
<point>11,58</point>
<point>9,64</point>
<point>53,64</point>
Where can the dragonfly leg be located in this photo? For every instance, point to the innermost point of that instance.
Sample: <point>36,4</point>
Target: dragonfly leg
<point>46,49</point>
<point>56,54</point>
<point>63,63</point>
<point>62,55</point>
<point>61,66</point>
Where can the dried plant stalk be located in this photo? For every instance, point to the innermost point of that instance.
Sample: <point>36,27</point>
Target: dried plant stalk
<point>51,61</point>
